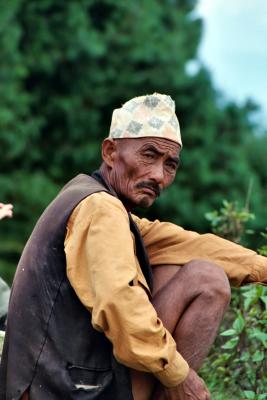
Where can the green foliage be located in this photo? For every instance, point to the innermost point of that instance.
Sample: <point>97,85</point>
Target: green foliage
<point>65,65</point>
<point>263,249</point>
<point>238,360</point>
<point>229,222</point>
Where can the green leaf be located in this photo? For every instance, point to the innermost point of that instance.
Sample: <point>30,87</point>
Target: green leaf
<point>247,303</point>
<point>258,356</point>
<point>264,300</point>
<point>245,356</point>
<point>229,332</point>
<point>230,344</point>
<point>257,334</point>
<point>249,394</point>
<point>239,324</point>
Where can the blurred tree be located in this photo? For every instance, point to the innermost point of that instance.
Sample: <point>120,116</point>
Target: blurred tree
<point>66,65</point>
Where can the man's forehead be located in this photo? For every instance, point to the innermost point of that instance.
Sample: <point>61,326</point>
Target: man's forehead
<point>161,145</point>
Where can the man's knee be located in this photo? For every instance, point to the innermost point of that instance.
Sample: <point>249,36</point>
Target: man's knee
<point>209,278</point>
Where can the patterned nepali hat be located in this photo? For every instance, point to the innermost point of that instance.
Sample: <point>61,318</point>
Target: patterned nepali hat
<point>150,115</point>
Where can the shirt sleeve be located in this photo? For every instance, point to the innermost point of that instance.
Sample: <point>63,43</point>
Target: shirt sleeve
<point>167,243</point>
<point>103,270</point>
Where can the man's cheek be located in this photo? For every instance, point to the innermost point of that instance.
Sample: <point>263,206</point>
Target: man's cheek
<point>131,173</point>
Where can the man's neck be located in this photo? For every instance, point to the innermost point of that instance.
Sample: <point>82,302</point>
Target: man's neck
<point>105,173</point>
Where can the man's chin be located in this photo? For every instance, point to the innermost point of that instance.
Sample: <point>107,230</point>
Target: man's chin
<point>145,202</point>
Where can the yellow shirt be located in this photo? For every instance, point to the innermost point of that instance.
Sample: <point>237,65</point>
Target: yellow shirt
<point>103,270</point>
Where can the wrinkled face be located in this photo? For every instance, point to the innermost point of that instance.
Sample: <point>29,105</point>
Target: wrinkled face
<point>142,168</point>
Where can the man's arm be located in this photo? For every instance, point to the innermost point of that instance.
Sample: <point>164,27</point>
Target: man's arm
<point>103,270</point>
<point>168,243</point>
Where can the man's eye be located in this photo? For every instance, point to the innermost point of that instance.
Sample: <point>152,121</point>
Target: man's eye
<point>149,156</point>
<point>171,167</point>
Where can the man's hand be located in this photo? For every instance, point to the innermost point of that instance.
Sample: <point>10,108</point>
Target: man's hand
<point>6,210</point>
<point>192,388</point>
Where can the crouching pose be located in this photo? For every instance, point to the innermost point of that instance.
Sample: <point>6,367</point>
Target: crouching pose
<point>109,306</point>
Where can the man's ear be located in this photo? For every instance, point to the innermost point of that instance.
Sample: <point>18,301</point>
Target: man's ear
<point>109,151</point>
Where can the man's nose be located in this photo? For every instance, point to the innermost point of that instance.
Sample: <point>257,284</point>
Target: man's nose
<point>158,173</point>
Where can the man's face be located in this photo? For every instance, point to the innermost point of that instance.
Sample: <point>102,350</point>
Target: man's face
<point>142,168</point>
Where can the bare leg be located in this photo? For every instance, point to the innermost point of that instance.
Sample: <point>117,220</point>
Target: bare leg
<point>190,301</point>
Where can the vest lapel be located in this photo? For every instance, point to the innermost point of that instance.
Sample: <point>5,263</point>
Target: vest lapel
<point>141,253</point>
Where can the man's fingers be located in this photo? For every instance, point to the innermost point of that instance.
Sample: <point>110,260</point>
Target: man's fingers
<point>6,210</point>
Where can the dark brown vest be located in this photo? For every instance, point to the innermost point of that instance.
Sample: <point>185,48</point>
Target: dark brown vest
<point>51,347</point>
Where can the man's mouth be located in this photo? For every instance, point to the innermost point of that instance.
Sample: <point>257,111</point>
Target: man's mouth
<point>149,187</point>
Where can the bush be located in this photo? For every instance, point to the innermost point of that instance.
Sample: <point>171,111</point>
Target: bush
<point>236,367</point>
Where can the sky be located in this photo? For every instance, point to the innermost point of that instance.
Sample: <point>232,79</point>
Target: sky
<point>234,48</point>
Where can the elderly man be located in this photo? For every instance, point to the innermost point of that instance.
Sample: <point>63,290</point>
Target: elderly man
<point>109,306</point>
